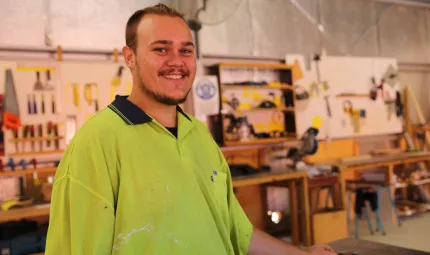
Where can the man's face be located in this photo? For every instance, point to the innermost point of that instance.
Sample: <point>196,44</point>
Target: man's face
<point>165,63</point>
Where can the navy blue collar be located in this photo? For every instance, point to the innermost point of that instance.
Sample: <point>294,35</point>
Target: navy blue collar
<point>131,113</point>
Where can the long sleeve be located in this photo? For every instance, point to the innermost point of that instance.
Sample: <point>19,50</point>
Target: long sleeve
<point>82,217</point>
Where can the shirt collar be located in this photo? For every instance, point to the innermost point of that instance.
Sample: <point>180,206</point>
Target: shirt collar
<point>131,113</point>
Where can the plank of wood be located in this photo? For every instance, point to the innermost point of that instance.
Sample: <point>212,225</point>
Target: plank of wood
<point>282,87</point>
<point>261,141</point>
<point>23,213</point>
<point>30,153</point>
<point>255,65</point>
<point>263,178</point>
<point>27,172</point>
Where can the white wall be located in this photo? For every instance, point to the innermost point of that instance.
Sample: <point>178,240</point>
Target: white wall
<point>265,28</point>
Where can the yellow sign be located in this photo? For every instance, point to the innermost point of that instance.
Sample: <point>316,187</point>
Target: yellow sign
<point>317,122</point>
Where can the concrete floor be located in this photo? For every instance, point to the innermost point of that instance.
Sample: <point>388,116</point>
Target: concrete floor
<point>413,234</point>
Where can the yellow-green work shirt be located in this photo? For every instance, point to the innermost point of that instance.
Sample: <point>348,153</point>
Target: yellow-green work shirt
<point>126,185</point>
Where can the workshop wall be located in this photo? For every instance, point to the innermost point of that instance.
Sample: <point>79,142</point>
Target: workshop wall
<point>262,28</point>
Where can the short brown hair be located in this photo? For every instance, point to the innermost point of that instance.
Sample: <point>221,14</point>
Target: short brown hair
<point>134,20</point>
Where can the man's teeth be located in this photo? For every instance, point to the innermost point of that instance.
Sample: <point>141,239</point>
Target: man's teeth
<point>173,76</point>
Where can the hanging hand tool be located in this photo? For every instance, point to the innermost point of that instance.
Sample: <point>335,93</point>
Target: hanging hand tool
<point>356,115</point>
<point>116,82</point>
<point>25,133</point>
<point>29,104</point>
<point>375,88</point>
<point>327,106</point>
<point>11,118</point>
<point>40,134</point>
<point>49,84</point>
<point>75,99</point>
<point>43,104</point>
<point>15,135</point>
<point>53,104</point>
<point>38,85</point>
<point>91,97</point>
<point>48,132</point>
<point>32,136</point>
<point>34,104</point>
<point>36,180</point>
<point>57,141</point>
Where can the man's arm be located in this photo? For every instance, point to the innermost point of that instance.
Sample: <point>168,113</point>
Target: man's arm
<point>82,219</point>
<point>262,243</point>
<point>265,244</point>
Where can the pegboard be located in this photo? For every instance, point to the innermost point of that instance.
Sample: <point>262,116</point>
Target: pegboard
<point>347,75</point>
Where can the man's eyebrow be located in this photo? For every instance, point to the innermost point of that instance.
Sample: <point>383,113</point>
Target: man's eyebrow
<point>188,44</point>
<point>168,42</point>
<point>162,42</point>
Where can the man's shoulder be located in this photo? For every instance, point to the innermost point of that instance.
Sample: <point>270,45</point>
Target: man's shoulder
<point>101,126</point>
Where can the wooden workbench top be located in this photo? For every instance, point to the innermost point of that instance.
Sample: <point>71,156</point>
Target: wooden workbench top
<point>378,161</point>
<point>267,177</point>
<point>364,247</point>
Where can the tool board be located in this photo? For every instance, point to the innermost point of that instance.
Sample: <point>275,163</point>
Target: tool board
<point>73,87</point>
<point>339,77</point>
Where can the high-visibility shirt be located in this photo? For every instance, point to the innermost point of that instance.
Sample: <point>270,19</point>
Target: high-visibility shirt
<point>126,185</point>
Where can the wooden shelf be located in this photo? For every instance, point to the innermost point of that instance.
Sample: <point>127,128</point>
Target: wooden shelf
<point>36,139</point>
<point>261,141</point>
<point>283,109</point>
<point>27,171</point>
<point>30,153</point>
<point>23,213</point>
<point>283,87</point>
<point>255,65</point>
<point>366,95</point>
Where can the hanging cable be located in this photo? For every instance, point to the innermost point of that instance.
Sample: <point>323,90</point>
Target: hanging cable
<point>48,23</point>
<point>231,14</point>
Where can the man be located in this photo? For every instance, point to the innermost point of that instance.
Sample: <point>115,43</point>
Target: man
<point>142,176</point>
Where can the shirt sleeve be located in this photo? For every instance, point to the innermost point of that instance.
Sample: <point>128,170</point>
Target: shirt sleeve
<point>241,228</point>
<point>82,215</point>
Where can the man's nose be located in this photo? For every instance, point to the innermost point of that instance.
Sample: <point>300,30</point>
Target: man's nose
<point>175,60</point>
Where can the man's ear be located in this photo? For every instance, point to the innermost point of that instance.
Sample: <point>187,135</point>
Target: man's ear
<point>129,57</point>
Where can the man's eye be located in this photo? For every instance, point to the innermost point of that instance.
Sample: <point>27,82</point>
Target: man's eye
<point>186,51</point>
<point>163,50</point>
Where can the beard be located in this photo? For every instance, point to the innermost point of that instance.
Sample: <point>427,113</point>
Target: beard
<point>164,99</point>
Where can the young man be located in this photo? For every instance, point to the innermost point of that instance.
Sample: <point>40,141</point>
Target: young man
<point>142,176</point>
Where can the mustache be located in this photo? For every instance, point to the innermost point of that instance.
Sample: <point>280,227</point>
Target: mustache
<point>182,71</point>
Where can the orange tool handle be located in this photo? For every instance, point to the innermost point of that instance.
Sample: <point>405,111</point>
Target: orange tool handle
<point>11,121</point>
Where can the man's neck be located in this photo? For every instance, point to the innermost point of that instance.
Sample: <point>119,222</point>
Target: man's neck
<point>166,115</point>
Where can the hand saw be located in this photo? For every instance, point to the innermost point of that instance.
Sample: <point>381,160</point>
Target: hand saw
<point>11,118</point>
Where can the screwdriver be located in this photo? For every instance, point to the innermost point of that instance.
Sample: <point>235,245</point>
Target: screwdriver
<point>53,104</point>
<point>48,132</point>
<point>40,134</point>
<point>34,104</point>
<point>15,134</point>
<point>32,136</point>
<point>29,104</point>
<point>24,133</point>
<point>57,141</point>
<point>43,104</point>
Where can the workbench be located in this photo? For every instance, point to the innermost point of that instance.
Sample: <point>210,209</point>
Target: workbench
<point>376,162</point>
<point>300,212</point>
<point>364,247</point>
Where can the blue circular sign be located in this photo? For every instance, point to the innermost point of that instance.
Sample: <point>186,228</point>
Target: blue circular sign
<point>205,89</point>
